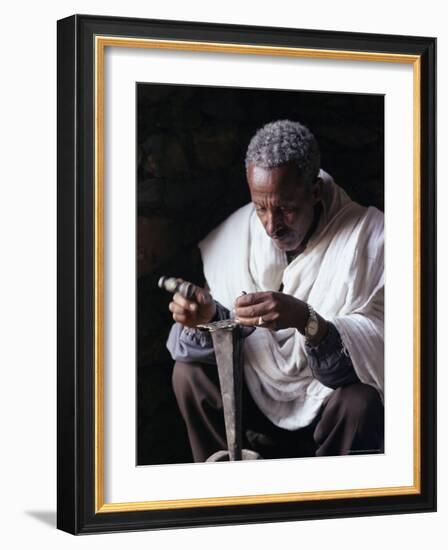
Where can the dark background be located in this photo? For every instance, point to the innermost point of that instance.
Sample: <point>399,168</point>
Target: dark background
<point>191,144</point>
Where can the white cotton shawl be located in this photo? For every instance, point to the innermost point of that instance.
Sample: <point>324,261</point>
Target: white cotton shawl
<point>340,273</point>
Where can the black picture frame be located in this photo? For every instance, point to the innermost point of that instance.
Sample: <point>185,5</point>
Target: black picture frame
<point>79,508</point>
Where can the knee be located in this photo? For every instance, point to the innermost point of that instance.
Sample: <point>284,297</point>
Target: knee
<point>358,401</point>
<point>352,420</point>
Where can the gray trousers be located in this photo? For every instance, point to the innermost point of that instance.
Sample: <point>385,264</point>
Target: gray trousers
<point>350,422</point>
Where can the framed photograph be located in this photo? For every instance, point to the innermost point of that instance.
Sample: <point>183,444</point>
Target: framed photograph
<point>246,274</point>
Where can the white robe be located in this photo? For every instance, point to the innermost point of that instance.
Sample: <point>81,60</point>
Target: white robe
<point>340,273</point>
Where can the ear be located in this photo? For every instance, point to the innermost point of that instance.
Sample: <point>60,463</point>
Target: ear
<point>316,190</point>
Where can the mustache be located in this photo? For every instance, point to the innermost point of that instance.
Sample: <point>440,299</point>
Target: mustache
<point>278,233</point>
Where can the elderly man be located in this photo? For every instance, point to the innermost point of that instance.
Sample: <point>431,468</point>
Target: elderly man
<point>311,262</point>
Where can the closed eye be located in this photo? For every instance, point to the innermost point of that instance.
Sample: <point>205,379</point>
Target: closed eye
<point>288,209</point>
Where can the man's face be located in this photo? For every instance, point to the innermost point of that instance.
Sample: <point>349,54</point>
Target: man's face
<point>284,205</point>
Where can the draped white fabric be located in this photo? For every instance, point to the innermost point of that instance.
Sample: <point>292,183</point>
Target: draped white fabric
<point>340,273</point>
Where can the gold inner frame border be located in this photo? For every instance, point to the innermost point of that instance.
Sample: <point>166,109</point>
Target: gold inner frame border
<point>101,42</point>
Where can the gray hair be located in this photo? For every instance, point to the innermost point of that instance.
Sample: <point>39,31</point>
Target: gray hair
<point>282,142</point>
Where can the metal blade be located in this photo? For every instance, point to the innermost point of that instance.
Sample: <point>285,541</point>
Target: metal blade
<point>228,351</point>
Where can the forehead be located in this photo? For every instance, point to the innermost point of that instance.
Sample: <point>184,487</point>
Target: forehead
<point>282,181</point>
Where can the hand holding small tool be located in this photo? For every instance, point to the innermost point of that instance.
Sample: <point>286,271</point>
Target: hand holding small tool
<point>191,304</point>
<point>272,310</point>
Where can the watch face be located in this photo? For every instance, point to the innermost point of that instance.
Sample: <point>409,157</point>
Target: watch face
<point>312,328</point>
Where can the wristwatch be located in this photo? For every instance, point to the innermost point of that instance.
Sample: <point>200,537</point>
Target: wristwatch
<point>312,325</point>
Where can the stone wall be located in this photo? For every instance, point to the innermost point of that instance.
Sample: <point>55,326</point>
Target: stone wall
<point>191,143</point>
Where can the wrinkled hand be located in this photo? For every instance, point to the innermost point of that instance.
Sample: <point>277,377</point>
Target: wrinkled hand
<point>277,310</point>
<point>190,313</point>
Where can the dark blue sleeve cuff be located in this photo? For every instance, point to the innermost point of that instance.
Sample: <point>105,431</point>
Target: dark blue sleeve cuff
<point>191,345</point>
<point>330,362</point>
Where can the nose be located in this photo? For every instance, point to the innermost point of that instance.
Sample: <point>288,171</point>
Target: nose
<point>273,223</point>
